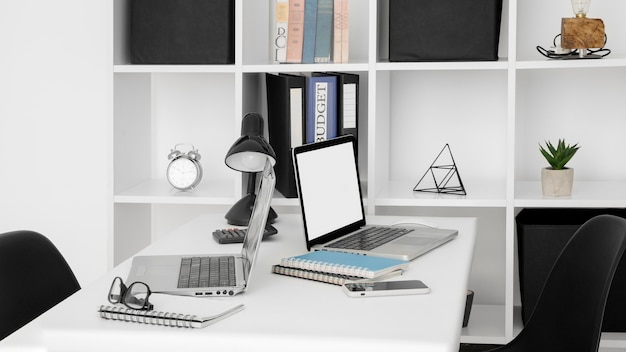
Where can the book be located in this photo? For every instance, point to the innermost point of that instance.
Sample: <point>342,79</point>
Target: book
<point>324,30</point>
<point>341,31</point>
<point>321,106</point>
<point>186,312</point>
<point>347,103</point>
<point>329,278</point>
<point>364,266</point>
<point>279,40</point>
<point>310,24</point>
<point>295,31</point>
<point>286,110</point>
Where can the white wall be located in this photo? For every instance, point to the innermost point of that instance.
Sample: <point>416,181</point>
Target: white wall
<point>55,103</point>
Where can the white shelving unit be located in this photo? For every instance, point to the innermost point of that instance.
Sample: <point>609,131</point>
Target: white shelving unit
<point>492,114</point>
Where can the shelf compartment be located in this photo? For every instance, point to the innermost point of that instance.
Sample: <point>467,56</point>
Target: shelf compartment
<point>257,28</point>
<point>486,325</point>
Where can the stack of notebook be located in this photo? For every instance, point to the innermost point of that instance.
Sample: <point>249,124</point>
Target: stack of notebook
<point>339,267</point>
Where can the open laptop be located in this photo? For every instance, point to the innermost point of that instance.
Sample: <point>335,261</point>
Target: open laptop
<point>329,189</point>
<point>186,275</point>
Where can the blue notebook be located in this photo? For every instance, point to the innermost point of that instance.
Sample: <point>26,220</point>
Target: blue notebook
<point>345,263</point>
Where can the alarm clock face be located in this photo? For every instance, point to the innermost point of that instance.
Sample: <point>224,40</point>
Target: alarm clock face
<point>183,173</point>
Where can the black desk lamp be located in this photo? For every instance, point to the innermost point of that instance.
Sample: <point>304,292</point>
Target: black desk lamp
<point>248,154</point>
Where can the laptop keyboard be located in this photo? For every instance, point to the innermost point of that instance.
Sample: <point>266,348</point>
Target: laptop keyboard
<point>369,238</point>
<point>207,272</point>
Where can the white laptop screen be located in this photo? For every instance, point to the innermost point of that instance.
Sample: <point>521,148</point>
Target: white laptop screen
<point>329,188</point>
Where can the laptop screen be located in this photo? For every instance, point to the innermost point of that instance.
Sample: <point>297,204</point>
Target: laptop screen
<point>328,185</point>
<point>258,219</point>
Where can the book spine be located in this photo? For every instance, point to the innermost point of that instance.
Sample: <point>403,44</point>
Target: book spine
<point>295,36</point>
<point>324,30</point>
<point>310,23</point>
<point>151,317</point>
<point>321,123</point>
<point>345,31</point>
<point>280,31</point>
<point>337,29</point>
<point>331,268</point>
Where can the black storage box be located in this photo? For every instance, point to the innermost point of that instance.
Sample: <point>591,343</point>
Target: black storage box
<point>182,32</point>
<point>444,30</point>
<point>541,235</point>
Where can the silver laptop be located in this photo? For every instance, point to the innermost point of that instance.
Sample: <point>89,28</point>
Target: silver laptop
<point>329,189</point>
<point>211,274</point>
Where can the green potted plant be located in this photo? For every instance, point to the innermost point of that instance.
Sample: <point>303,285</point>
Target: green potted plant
<point>557,180</point>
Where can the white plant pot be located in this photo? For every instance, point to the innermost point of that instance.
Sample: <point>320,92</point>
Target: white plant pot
<point>557,183</point>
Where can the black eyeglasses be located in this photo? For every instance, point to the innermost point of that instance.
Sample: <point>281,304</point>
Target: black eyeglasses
<point>134,296</point>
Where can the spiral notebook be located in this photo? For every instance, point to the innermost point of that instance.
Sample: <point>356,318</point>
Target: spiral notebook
<point>343,263</point>
<point>174,311</point>
<point>334,279</point>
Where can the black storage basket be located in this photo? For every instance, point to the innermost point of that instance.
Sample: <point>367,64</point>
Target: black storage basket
<point>182,31</point>
<point>444,30</point>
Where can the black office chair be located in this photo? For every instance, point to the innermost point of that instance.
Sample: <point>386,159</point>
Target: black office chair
<point>568,315</point>
<point>34,277</point>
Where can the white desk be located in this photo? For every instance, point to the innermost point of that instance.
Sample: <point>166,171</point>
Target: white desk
<point>281,313</point>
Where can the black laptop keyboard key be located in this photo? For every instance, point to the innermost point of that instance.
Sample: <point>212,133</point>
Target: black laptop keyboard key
<point>370,238</point>
<point>207,272</point>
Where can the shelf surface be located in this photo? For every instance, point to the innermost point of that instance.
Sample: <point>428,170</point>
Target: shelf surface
<point>501,64</point>
<point>173,68</point>
<point>585,194</point>
<point>479,194</point>
<point>297,68</point>
<point>539,62</point>
<point>160,192</point>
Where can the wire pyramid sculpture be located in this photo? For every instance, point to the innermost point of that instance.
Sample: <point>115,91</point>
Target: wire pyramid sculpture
<point>444,174</point>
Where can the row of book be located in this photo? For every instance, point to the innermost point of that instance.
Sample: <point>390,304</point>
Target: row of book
<point>308,108</point>
<point>338,268</point>
<point>311,31</point>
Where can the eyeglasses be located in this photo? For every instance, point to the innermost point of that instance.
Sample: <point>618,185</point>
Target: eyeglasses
<point>134,296</point>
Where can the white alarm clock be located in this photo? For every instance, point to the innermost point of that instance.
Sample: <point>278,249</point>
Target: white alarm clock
<point>184,171</point>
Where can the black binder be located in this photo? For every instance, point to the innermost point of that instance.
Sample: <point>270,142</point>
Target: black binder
<point>345,126</point>
<point>280,123</point>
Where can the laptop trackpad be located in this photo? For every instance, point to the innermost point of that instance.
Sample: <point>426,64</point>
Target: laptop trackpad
<point>413,241</point>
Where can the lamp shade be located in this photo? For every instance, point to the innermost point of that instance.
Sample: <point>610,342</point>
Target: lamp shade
<point>249,152</point>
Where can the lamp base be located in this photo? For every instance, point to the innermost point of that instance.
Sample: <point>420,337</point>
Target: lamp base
<point>240,213</point>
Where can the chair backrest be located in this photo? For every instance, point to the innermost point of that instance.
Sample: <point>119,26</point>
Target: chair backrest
<point>568,315</point>
<point>34,277</point>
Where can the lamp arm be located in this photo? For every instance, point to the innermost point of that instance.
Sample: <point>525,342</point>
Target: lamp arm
<point>251,189</point>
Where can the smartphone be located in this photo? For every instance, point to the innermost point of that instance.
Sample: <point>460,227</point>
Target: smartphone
<point>385,288</point>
